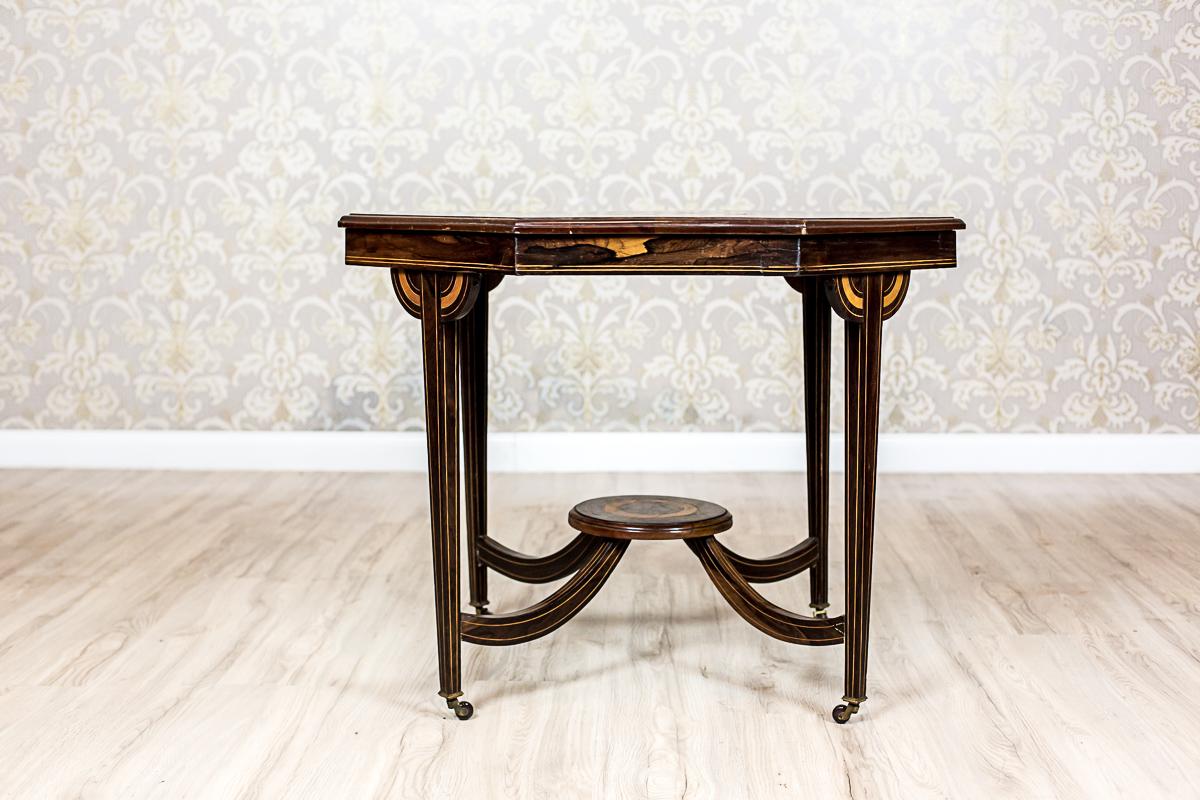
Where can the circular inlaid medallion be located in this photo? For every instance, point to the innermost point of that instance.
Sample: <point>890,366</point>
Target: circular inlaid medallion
<point>649,516</point>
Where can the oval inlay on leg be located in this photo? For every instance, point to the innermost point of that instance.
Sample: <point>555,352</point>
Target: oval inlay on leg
<point>845,295</point>
<point>456,296</point>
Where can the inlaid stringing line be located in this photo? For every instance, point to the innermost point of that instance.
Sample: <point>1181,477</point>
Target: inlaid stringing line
<point>654,269</point>
<point>601,554</point>
<point>756,610</point>
<point>443,455</point>
<point>450,470</point>
<point>419,262</point>
<point>852,474</point>
<point>520,267</point>
<point>789,630</point>
<point>731,574</point>
<point>948,262</point>
<point>592,584</point>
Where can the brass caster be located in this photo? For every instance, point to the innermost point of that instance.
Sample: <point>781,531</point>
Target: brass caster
<point>842,713</point>
<point>462,709</point>
<point>481,609</point>
<point>820,610</point>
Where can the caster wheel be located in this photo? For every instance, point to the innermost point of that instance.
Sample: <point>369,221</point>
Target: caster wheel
<point>463,710</point>
<point>842,713</point>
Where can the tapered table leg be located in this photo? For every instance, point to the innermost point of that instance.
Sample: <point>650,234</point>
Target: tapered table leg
<point>816,435</point>
<point>862,429</point>
<point>473,337</point>
<point>439,330</point>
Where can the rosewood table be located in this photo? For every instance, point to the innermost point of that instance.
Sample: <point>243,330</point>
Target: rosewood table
<point>442,269</point>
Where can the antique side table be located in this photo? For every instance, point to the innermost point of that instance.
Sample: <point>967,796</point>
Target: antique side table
<point>442,269</point>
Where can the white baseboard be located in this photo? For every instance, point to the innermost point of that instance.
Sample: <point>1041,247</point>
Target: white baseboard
<point>593,452</point>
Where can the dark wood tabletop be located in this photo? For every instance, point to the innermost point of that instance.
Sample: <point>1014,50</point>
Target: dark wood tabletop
<point>729,245</point>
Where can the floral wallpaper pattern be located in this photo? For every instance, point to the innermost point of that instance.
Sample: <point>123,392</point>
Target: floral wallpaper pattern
<point>174,170</point>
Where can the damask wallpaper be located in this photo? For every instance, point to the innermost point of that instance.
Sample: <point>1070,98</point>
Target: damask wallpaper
<point>173,174</point>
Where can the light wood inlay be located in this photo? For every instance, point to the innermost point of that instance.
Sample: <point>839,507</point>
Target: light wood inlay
<point>268,635</point>
<point>621,247</point>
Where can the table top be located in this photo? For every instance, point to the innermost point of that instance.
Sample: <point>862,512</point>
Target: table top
<point>773,226</point>
<point>720,245</point>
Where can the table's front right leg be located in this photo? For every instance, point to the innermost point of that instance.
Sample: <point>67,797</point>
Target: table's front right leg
<point>440,300</point>
<point>863,302</point>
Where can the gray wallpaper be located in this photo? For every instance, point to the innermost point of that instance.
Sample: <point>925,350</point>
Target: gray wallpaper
<point>173,173</point>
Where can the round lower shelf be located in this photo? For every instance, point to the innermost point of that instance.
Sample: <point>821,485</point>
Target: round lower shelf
<point>649,516</point>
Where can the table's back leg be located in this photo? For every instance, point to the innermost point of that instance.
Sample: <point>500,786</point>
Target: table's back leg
<point>816,435</point>
<point>473,344</point>
<point>862,437</point>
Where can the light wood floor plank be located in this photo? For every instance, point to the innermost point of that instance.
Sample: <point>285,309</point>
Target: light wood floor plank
<point>257,635</point>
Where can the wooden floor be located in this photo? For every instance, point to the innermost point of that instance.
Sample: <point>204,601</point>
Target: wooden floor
<point>270,636</point>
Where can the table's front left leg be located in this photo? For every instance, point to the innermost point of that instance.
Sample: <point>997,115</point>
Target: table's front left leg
<point>440,300</point>
<point>863,303</point>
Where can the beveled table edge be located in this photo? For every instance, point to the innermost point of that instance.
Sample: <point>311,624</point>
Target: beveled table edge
<point>570,226</point>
